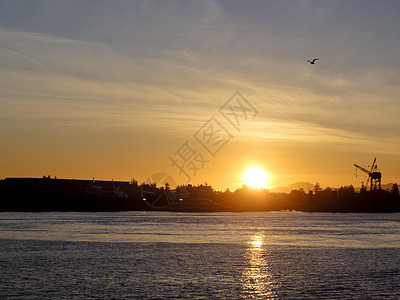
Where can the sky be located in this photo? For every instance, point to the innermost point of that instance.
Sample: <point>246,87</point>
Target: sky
<point>200,90</point>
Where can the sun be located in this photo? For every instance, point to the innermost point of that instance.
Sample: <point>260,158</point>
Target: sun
<point>255,177</point>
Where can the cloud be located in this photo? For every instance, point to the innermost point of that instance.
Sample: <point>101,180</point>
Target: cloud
<point>164,68</point>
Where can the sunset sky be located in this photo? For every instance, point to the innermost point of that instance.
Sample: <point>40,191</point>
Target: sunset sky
<point>117,89</point>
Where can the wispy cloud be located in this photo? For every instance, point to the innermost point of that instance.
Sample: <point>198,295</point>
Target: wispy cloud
<point>168,66</point>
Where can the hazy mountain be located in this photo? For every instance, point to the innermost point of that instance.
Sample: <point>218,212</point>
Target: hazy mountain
<point>306,186</point>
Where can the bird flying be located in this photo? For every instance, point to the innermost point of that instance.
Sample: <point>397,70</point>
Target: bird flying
<point>312,61</point>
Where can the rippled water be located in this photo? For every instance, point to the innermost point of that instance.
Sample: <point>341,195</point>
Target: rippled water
<point>159,255</point>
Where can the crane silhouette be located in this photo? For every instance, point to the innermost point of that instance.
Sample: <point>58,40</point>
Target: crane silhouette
<point>312,61</point>
<point>374,176</point>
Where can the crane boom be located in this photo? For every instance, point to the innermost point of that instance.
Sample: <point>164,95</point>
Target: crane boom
<point>362,169</point>
<point>373,165</point>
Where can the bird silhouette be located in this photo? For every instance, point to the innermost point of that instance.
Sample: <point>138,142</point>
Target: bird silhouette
<point>312,61</point>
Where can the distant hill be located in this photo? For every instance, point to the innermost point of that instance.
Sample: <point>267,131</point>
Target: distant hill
<point>306,186</point>
<point>387,186</point>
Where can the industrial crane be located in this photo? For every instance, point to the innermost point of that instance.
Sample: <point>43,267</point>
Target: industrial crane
<point>374,176</point>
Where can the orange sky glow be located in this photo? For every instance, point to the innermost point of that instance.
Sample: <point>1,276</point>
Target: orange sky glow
<point>201,91</point>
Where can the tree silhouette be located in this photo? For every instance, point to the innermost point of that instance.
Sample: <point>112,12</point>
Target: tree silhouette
<point>317,187</point>
<point>134,182</point>
<point>395,190</point>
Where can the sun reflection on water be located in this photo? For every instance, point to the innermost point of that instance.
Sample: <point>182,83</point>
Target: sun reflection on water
<point>257,241</point>
<point>257,280</point>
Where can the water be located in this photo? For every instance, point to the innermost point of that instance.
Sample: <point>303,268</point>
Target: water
<point>161,255</point>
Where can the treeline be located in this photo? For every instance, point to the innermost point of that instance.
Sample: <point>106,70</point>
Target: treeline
<point>343,199</point>
<point>46,194</point>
